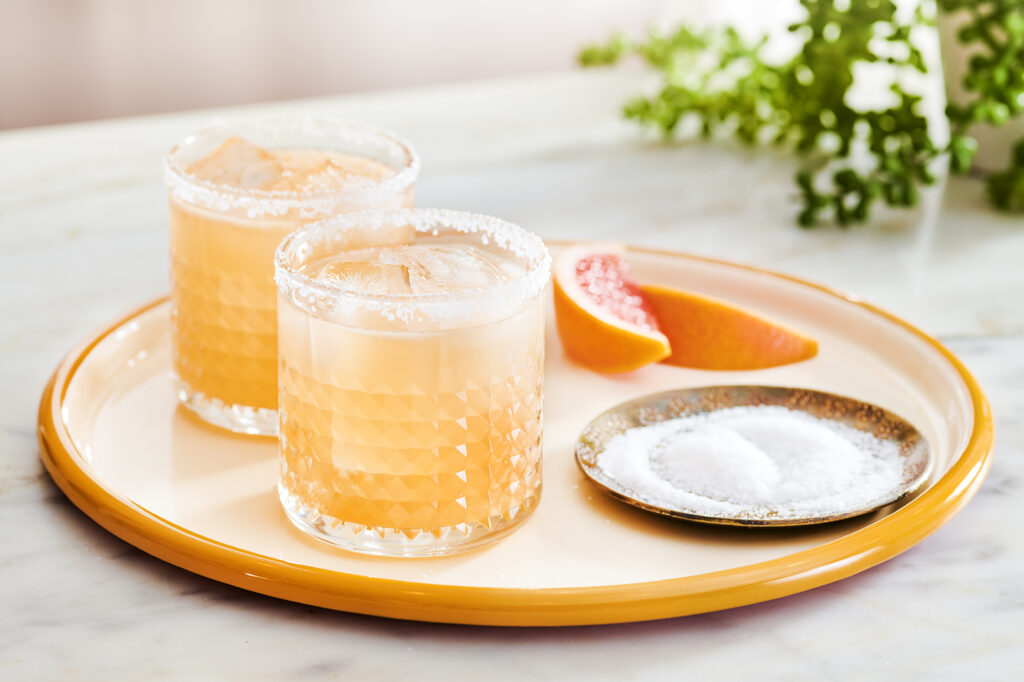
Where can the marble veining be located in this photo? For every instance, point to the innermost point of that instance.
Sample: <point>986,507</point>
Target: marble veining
<point>83,237</point>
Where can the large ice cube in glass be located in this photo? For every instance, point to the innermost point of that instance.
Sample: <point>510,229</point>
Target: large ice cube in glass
<point>239,163</point>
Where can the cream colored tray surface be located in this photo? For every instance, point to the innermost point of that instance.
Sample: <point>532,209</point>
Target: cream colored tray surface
<point>115,442</point>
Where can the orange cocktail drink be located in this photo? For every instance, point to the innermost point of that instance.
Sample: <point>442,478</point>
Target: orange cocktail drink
<point>411,380</point>
<point>235,192</point>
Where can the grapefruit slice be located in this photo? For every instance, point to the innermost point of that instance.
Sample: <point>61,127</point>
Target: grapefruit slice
<point>706,333</point>
<point>603,317</point>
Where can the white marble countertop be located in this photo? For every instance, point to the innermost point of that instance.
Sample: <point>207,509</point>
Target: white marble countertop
<point>82,238</point>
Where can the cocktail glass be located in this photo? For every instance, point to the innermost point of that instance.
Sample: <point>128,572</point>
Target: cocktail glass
<point>411,380</point>
<point>235,191</point>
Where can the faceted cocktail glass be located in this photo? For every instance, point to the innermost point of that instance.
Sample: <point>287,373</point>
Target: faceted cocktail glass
<point>223,231</point>
<point>411,380</point>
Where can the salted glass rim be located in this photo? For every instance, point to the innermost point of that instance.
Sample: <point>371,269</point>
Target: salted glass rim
<point>198,190</point>
<point>465,303</point>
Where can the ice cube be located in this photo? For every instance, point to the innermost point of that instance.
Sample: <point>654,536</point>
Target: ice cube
<point>260,175</point>
<point>239,163</point>
<point>312,170</point>
<point>366,277</point>
<point>417,269</point>
<point>441,268</point>
<point>324,175</point>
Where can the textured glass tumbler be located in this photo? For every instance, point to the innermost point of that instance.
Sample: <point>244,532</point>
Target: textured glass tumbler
<point>233,198</point>
<point>410,392</point>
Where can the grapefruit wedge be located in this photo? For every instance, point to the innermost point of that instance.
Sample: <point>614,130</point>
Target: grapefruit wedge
<point>603,317</point>
<point>610,323</point>
<point>706,333</point>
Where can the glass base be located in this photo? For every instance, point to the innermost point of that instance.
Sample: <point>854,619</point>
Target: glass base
<point>253,421</point>
<point>395,542</point>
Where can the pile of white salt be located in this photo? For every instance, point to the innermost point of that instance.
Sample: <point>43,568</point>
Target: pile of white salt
<point>753,461</point>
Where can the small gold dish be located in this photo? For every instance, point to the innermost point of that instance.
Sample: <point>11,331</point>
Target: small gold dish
<point>915,455</point>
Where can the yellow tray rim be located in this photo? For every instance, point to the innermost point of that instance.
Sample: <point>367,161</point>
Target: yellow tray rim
<point>355,593</point>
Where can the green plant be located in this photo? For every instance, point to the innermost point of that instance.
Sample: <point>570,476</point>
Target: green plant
<point>994,32</point>
<point>851,157</point>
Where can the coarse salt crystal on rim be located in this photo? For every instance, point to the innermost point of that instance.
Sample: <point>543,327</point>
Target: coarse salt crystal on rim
<point>298,132</point>
<point>466,305</point>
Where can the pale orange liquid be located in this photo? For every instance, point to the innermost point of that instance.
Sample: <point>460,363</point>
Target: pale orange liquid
<point>413,432</point>
<point>224,321</point>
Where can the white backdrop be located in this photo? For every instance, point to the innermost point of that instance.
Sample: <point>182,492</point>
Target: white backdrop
<point>68,60</point>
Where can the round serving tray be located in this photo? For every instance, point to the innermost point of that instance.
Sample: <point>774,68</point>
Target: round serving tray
<point>114,440</point>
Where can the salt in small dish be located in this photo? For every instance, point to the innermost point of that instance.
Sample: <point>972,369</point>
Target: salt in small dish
<point>908,445</point>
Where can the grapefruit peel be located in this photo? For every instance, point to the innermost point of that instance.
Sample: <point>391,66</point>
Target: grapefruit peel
<point>706,333</point>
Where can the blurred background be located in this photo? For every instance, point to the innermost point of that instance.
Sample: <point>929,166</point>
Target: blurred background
<point>75,60</point>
